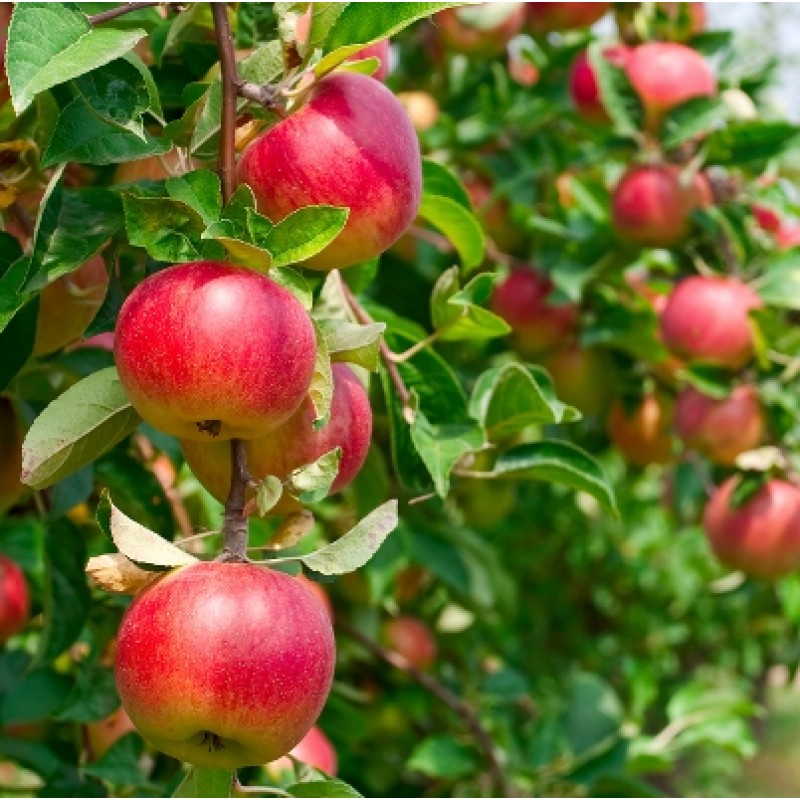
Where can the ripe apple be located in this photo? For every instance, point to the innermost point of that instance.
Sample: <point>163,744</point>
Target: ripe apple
<point>666,75</point>
<point>706,318</point>
<point>351,144</point>
<point>480,30</point>
<point>14,599</point>
<point>100,341</point>
<point>69,304</point>
<point>767,218</point>
<point>522,301</point>
<point>315,749</point>
<point>720,429</point>
<point>379,50</point>
<point>643,436</point>
<point>761,537</point>
<point>295,443</point>
<point>205,349</point>
<point>11,488</point>
<point>583,85</point>
<point>225,665</point>
<point>103,734</point>
<point>494,213</point>
<point>412,639</point>
<point>549,17</point>
<point>318,590</point>
<point>653,204</point>
<point>421,107</point>
<point>583,377</point>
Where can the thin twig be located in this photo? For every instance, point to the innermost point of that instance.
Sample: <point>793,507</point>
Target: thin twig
<point>234,526</point>
<point>119,11</point>
<point>227,60</point>
<point>482,737</point>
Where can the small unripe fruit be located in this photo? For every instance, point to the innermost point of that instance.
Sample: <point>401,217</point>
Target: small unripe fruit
<point>707,319</point>
<point>720,429</point>
<point>761,537</point>
<point>225,665</point>
<point>548,17</point>
<point>480,30</point>
<point>14,599</point>
<point>205,349</point>
<point>421,107</point>
<point>653,204</point>
<point>644,435</point>
<point>352,145</point>
<point>583,377</point>
<point>583,85</point>
<point>412,639</point>
<point>11,487</point>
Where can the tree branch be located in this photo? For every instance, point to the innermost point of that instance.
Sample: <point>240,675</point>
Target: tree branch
<point>234,526</point>
<point>456,704</point>
<point>230,80</point>
<point>119,11</point>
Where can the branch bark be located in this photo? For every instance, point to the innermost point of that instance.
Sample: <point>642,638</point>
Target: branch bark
<point>119,11</point>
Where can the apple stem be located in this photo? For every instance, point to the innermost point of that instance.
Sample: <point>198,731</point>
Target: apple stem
<point>230,80</point>
<point>234,526</point>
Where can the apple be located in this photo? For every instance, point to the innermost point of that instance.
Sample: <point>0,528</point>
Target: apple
<point>412,639</point>
<point>549,17</point>
<point>706,318</point>
<point>583,377</point>
<point>352,145</point>
<point>720,429</point>
<point>522,301</point>
<point>69,304</point>
<point>295,443</point>
<point>666,75</point>
<point>583,86</point>
<point>102,735</point>
<point>653,203</point>
<point>11,488</point>
<point>480,30</point>
<point>225,665</point>
<point>206,349</point>
<point>761,537</point>
<point>314,749</point>
<point>643,436</point>
<point>767,218</point>
<point>379,50</point>
<point>14,599</point>
<point>318,590</point>
<point>494,213</point>
<point>100,341</point>
<point>421,107</point>
<point>788,236</point>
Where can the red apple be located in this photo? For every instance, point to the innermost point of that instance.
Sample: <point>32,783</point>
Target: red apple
<point>318,590</point>
<point>522,301</point>
<point>767,218</point>
<point>548,17</point>
<point>653,204</point>
<point>351,144</point>
<point>315,749</point>
<point>102,735</point>
<point>14,600</point>
<point>11,488</point>
<point>706,318</point>
<point>666,75</point>
<point>100,341</point>
<point>379,50</point>
<point>720,429</point>
<point>206,349</point>
<point>225,665</point>
<point>761,537</point>
<point>583,85</point>
<point>644,435</point>
<point>480,30</point>
<point>494,213</point>
<point>295,443</point>
<point>583,377</point>
<point>412,639</point>
<point>788,236</point>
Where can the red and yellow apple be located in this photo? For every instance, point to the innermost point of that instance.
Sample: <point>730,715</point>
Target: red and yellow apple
<point>14,599</point>
<point>412,639</point>
<point>643,435</point>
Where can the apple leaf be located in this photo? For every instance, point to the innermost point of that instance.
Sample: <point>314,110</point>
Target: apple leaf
<point>328,788</point>
<point>117,574</point>
<point>691,119</point>
<point>619,99</point>
<point>201,190</point>
<point>51,43</point>
<point>304,233</point>
<point>511,397</point>
<point>238,248</point>
<point>17,339</point>
<point>458,224</point>
<point>292,529</point>
<point>558,462</point>
<point>268,493</point>
<point>312,483</point>
<point>441,182</point>
<point>121,763</point>
<point>743,142</point>
<point>134,541</point>
<point>352,343</point>
<point>321,389</point>
<point>779,285</point>
<point>76,428</point>
<point>357,546</point>
<point>206,782</point>
<point>294,282</point>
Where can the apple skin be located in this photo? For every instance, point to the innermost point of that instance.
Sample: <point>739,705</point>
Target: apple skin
<point>762,537</point>
<point>720,429</point>
<point>644,436</point>
<point>315,749</point>
<point>480,30</point>
<point>319,591</point>
<point>69,304</point>
<point>11,488</point>
<point>208,341</point>
<point>767,218</point>
<point>225,665</point>
<point>14,599</point>
<point>706,318</point>
<point>522,301</point>
<point>102,735</point>
<point>583,86</point>
<point>652,206</point>
<point>353,145</point>
<point>412,639</point>
<point>549,17</point>
<point>583,377</point>
<point>666,75</point>
<point>295,443</point>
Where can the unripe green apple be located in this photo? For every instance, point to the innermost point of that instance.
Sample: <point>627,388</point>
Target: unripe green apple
<point>225,665</point>
<point>14,599</point>
<point>208,350</point>
<point>643,436</point>
<point>352,145</point>
<point>295,443</point>
<point>11,487</point>
<point>412,639</point>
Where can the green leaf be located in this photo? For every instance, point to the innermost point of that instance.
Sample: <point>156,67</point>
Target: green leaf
<point>205,782</point>
<point>51,43</point>
<point>442,757</point>
<point>201,190</point>
<point>321,389</point>
<point>509,398</point>
<point>692,118</point>
<point>76,428</point>
<point>352,343</point>
<point>357,546</point>
<point>121,763</point>
<point>93,697</point>
<point>329,788</point>
<point>16,340</point>
<point>593,715</point>
<point>558,462</point>
<point>779,284</point>
<point>295,283</point>
<point>441,447</point>
<point>270,490</point>
<point>619,99</point>
<point>458,224</point>
<point>743,142</point>
<point>312,483</point>
<point>36,695</point>
<point>438,180</point>
<point>304,233</point>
